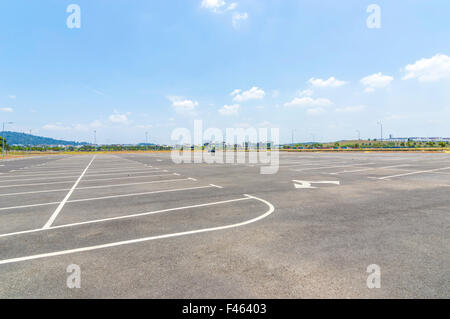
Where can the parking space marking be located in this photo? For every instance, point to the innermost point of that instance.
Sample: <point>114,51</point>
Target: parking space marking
<point>122,217</point>
<point>63,172</point>
<point>100,186</point>
<point>63,202</point>
<point>145,239</point>
<point>414,173</point>
<point>369,169</point>
<point>70,176</point>
<point>89,180</point>
<point>109,197</point>
<point>326,167</point>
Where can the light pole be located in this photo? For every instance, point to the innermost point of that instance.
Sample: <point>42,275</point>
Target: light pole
<point>313,139</point>
<point>30,142</point>
<point>95,141</point>
<point>359,138</point>
<point>381,131</point>
<point>293,138</point>
<point>3,139</point>
<point>146,141</point>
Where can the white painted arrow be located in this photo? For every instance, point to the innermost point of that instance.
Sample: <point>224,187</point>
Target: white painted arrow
<point>307,184</point>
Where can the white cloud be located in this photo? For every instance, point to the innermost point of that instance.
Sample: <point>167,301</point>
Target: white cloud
<point>235,92</point>
<point>265,124</point>
<point>238,17</point>
<point>96,124</point>
<point>376,81</point>
<point>369,90</point>
<point>308,102</point>
<point>275,93</point>
<point>429,70</point>
<point>6,109</point>
<point>119,118</point>
<point>331,82</point>
<point>232,6</point>
<point>220,7</point>
<point>145,126</point>
<point>12,97</point>
<point>307,92</point>
<point>315,111</point>
<point>182,105</point>
<point>242,125</point>
<point>214,5</point>
<point>255,93</point>
<point>229,109</point>
<point>351,109</point>
<point>397,117</point>
<point>60,127</point>
<point>55,127</point>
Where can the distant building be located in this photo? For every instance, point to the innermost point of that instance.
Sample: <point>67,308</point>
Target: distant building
<point>418,139</point>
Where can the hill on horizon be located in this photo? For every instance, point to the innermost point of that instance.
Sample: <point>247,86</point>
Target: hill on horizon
<point>17,138</point>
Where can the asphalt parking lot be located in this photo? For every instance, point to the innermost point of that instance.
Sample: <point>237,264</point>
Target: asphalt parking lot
<point>139,225</point>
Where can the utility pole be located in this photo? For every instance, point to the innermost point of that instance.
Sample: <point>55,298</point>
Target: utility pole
<point>95,141</point>
<point>30,141</point>
<point>3,139</point>
<point>292,138</point>
<point>359,138</point>
<point>381,129</point>
<point>146,141</point>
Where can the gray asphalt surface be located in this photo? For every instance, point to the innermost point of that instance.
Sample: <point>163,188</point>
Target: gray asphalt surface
<point>140,226</point>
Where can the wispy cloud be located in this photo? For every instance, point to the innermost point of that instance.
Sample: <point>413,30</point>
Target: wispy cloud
<point>61,127</point>
<point>229,109</point>
<point>6,109</point>
<point>182,105</point>
<point>213,5</point>
<point>308,102</point>
<point>99,92</point>
<point>351,109</point>
<point>119,118</point>
<point>237,18</point>
<point>315,111</point>
<point>255,93</point>
<point>221,6</point>
<point>332,82</point>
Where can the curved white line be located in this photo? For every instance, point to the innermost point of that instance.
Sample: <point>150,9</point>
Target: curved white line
<point>133,241</point>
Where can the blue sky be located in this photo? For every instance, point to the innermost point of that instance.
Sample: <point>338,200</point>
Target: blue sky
<point>151,66</point>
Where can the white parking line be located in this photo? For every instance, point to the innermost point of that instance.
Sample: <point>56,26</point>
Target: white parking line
<point>93,187</point>
<point>369,168</point>
<point>139,240</point>
<point>414,173</point>
<point>109,197</point>
<point>69,176</point>
<point>91,180</point>
<point>63,172</point>
<point>326,167</point>
<point>63,202</point>
<point>121,217</point>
